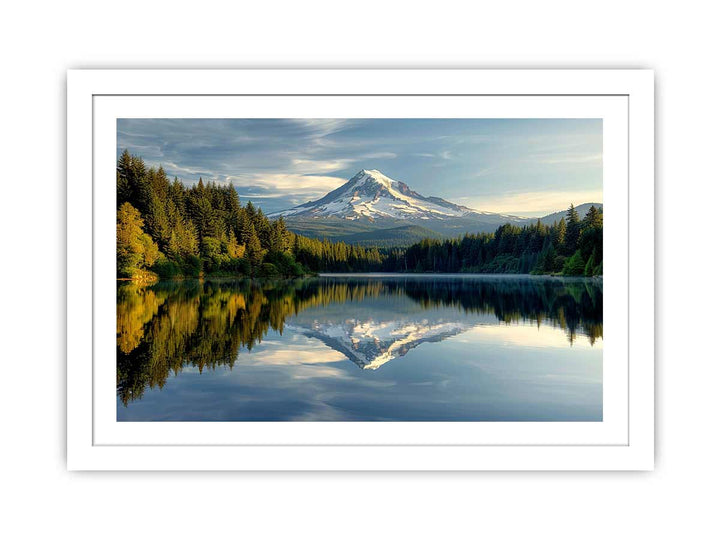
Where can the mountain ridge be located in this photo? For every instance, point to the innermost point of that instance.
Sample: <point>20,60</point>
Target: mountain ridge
<point>372,195</point>
<point>372,207</point>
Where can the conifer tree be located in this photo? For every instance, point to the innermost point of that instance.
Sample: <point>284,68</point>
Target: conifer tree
<point>592,219</point>
<point>559,233</point>
<point>573,230</point>
<point>173,219</point>
<point>253,247</point>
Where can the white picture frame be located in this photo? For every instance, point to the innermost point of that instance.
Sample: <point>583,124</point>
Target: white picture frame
<point>623,441</point>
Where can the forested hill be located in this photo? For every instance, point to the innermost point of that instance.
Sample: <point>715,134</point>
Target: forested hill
<point>571,247</point>
<point>582,210</point>
<point>167,229</point>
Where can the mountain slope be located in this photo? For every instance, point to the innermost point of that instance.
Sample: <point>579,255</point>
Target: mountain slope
<point>371,201</point>
<point>394,237</point>
<point>582,210</point>
<point>372,195</point>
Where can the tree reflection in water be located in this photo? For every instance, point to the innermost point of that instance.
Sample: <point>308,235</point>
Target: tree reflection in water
<point>170,325</point>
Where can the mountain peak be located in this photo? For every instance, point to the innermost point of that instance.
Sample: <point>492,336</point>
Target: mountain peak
<point>366,175</point>
<point>371,195</point>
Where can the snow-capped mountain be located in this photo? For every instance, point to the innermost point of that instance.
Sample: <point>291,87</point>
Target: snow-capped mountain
<point>371,343</point>
<point>373,209</point>
<point>372,196</point>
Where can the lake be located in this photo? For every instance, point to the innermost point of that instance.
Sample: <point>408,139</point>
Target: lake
<point>393,347</point>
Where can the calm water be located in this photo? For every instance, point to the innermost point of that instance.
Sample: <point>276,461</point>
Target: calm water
<point>361,347</point>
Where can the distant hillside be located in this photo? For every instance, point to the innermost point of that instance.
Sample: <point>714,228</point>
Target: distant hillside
<point>362,210</point>
<point>394,237</point>
<point>330,227</point>
<point>581,210</point>
<point>362,232</point>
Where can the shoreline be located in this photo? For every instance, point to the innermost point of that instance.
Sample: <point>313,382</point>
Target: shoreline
<point>465,275</point>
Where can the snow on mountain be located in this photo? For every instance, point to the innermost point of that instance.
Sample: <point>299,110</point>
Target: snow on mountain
<point>373,196</point>
<point>370,344</point>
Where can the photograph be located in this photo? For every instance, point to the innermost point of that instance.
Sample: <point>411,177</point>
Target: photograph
<point>359,269</point>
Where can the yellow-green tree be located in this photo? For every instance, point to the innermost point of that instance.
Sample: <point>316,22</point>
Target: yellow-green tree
<point>135,249</point>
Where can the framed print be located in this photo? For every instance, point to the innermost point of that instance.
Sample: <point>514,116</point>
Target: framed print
<point>360,270</point>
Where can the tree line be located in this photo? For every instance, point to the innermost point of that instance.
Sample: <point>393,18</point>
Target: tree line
<point>169,230</point>
<point>571,247</point>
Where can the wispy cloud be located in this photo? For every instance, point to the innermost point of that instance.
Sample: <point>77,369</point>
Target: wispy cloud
<point>314,166</point>
<point>484,172</point>
<point>380,155</point>
<point>322,127</point>
<point>555,159</point>
<point>286,161</point>
<point>275,185</point>
<point>533,203</point>
<point>526,335</point>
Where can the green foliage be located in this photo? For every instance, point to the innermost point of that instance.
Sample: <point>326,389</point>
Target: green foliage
<point>180,231</point>
<point>591,235</point>
<point>135,250</point>
<point>593,218</point>
<point>167,269</point>
<point>190,232</point>
<point>268,270</point>
<point>590,265</point>
<point>323,255</point>
<point>535,249</point>
<point>387,238</point>
<point>573,231</point>
<point>574,266</point>
<point>285,264</point>
<point>559,234</point>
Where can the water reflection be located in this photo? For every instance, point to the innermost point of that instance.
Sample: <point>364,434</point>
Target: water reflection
<point>324,321</point>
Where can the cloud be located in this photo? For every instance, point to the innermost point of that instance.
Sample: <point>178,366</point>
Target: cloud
<point>322,127</point>
<point>380,155</point>
<point>554,159</point>
<point>285,184</point>
<point>284,162</point>
<point>484,172</point>
<point>527,335</point>
<point>170,166</point>
<point>313,166</point>
<point>533,203</point>
<point>297,356</point>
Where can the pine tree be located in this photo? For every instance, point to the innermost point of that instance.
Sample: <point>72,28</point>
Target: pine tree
<point>573,230</point>
<point>253,248</point>
<point>235,250</point>
<point>592,219</point>
<point>559,233</point>
<point>124,168</point>
<point>574,266</point>
<point>235,237</point>
<point>590,265</point>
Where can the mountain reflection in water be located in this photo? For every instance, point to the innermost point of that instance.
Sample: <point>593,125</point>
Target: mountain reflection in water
<point>369,320</point>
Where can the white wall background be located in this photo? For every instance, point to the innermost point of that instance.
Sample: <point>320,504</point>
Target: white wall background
<point>39,41</point>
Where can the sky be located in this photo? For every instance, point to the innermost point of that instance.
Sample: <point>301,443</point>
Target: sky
<point>525,167</point>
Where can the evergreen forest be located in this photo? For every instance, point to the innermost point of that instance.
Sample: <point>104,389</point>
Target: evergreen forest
<point>167,230</point>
